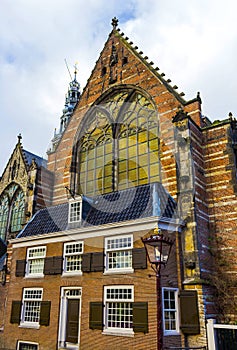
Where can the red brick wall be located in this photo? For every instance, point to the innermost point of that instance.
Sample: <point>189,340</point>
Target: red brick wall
<point>92,290</point>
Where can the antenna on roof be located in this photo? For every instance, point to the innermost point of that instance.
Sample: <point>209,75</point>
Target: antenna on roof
<point>68,68</point>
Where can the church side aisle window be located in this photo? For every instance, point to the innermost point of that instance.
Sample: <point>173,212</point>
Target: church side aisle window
<point>12,209</point>
<point>118,145</point>
<point>18,207</point>
<point>4,211</point>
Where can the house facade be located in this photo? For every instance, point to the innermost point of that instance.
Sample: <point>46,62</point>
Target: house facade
<point>133,159</point>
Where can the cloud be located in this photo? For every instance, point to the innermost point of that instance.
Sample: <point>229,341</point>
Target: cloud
<point>193,42</point>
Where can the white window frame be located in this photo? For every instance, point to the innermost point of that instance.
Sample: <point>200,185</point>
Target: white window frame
<point>114,250</point>
<point>30,259</point>
<point>30,324</point>
<point>120,331</point>
<point>72,254</point>
<point>20,342</point>
<point>72,216</point>
<point>175,311</point>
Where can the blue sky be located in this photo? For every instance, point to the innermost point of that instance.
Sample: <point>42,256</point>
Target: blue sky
<point>193,42</point>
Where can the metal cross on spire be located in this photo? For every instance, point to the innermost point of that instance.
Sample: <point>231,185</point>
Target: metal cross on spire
<point>114,22</point>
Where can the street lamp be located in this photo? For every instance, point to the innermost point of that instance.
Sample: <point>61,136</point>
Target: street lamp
<point>158,250</point>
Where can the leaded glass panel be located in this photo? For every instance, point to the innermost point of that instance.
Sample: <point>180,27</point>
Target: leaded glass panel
<point>18,208</point>
<point>119,144</point>
<point>4,211</point>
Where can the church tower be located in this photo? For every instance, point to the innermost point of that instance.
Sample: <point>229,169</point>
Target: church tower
<point>71,99</point>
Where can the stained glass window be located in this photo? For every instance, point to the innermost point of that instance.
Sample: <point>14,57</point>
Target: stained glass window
<point>4,210</point>
<point>18,208</point>
<point>118,144</point>
<point>12,208</point>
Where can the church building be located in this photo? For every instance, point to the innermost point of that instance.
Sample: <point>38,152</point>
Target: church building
<point>133,162</point>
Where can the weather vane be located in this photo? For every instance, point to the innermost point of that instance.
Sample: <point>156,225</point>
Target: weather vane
<point>76,69</point>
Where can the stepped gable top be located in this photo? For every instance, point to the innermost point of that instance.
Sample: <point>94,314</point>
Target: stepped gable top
<point>125,205</point>
<point>116,32</point>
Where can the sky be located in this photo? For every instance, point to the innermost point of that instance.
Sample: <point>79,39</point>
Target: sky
<point>193,42</point>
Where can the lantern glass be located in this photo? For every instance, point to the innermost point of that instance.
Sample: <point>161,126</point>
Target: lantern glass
<point>158,249</point>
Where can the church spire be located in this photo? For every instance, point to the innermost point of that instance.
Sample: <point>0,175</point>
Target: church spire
<point>71,99</point>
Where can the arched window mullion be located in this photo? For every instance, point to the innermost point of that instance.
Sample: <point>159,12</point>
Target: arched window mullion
<point>17,211</point>
<point>4,215</point>
<point>125,106</point>
<point>134,154</point>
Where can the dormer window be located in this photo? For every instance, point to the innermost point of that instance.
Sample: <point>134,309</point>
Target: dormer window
<point>75,211</point>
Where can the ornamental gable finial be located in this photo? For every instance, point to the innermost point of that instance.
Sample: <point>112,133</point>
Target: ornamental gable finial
<point>114,23</point>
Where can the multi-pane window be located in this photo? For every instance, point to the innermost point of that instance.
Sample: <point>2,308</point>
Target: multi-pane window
<point>35,261</point>
<point>119,308</point>
<point>73,257</point>
<point>12,209</point>
<point>75,211</point>
<point>4,210</point>
<point>27,346</point>
<point>119,144</point>
<point>31,306</point>
<point>170,310</point>
<point>18,209</point>
<point>118,252</point>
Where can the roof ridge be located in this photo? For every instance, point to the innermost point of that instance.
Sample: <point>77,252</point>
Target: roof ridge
<point>172,89</point>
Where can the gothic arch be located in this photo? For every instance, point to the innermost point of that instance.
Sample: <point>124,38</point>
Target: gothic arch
<point>12,210</point>
<point>117,145</point>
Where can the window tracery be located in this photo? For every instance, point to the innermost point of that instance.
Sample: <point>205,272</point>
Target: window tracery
<point>118,144</point>
<point>12,209</point>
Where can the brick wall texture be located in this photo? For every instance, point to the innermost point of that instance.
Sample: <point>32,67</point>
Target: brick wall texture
<point>198,169</point>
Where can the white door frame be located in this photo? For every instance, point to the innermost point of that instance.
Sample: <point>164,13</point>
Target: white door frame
<point>68,293</point>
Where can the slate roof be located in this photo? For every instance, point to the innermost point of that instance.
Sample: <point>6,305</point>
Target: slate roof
<point>30,156</point>
<point>50,219</point>
<point>130,204</point>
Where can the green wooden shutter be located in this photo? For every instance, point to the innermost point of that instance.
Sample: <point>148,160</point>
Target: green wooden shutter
<point>140,317</point>
<point>53,265</point>
<point>45,313</point>
<point>139,260</point>
<point>189,312</point>
<point>16,311</point>
<point>96,315</point>
<point>20,268</point>
<point>86,262</point>
<point>97,261</point>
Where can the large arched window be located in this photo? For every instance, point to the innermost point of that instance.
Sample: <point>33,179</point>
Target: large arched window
<point>4,212</point>
<point>118,144</point>
<point>12,209</point>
